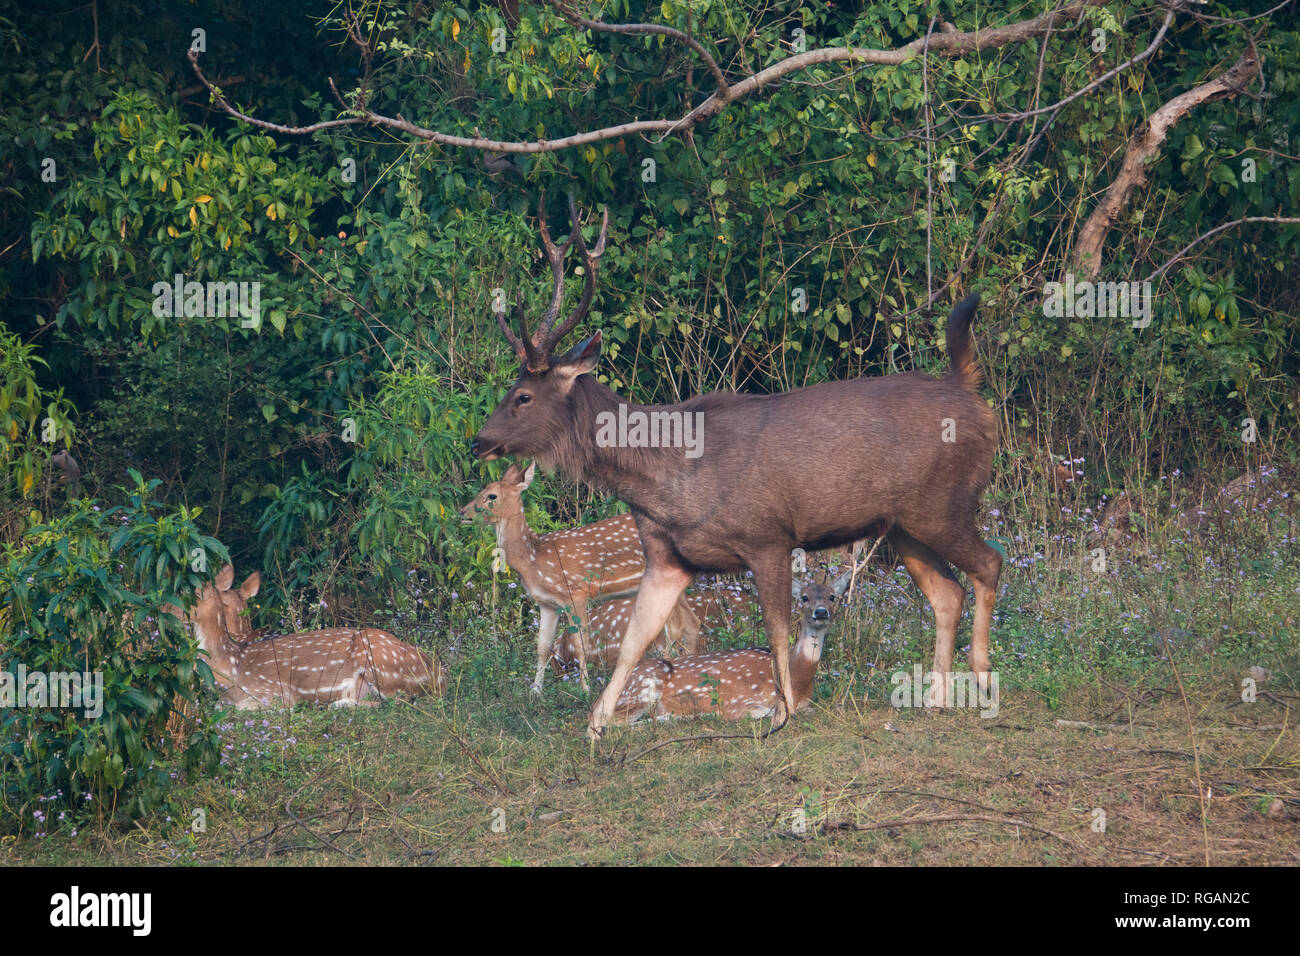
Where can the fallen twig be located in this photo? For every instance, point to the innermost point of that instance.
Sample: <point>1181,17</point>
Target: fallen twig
<point>948,818</point>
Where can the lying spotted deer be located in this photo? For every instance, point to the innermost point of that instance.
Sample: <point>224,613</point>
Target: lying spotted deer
<point>716,608</point>
<point>342,666</point>
<point>906,455</point>
<point>570,569</point>
<point>734,684</point>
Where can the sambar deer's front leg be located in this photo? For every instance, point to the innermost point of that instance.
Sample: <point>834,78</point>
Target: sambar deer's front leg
<point>772,577</point>
<point>661,587</point>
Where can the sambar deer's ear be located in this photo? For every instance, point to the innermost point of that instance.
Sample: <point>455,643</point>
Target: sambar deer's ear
<point>579,360</point>
<point>225,578</point>
<point>252,584</point>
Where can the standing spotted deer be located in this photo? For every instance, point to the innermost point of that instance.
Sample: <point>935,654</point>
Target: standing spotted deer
<point>734,684</point>
<point>340,666</point>
<point>906,455</point>
<point>570,569</point>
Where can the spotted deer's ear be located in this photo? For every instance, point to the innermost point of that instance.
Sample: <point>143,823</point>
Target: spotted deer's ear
<point>528,476</point>
<point>225,578</point>
<point>252,584</point>
<point>796,588</point>
<point>842,583</point>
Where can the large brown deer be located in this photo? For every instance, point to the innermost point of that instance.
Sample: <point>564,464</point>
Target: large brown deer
<point>734,684</point>
<point>340,666</point>
<point>904,455</point>
<point>570,569</point>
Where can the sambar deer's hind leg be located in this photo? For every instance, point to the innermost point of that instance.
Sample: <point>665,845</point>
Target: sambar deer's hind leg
<point>983,565</point>
<point>946,595</point>
<point>661,587</point>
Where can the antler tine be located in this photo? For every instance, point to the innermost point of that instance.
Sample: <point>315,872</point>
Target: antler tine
<point>555,256</point>
<point>591,260</point>
<point>530,353</point>
<point>514,340</point>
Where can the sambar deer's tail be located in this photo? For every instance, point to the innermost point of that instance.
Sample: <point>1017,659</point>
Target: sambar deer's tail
<point>961,347</point>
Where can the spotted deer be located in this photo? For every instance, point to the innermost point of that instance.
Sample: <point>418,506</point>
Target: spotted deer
<point>342,666</point>
<point>734,684</point>
<point>570,570</point>
<point>907,456</point>
<point>716,608</point>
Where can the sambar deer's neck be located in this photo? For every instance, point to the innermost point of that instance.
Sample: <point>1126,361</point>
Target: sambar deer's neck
<point>600,449</point>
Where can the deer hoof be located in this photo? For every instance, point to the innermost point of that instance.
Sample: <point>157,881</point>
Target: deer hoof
<point>535,691</point>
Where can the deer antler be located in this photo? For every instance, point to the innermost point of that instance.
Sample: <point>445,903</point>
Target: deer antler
<point>524,347</point>
<point>591,260</point>
<point>555,256</point>
<point>535,351</point>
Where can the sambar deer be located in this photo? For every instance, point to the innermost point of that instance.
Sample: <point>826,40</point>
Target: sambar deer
<point>904,455</point>
<point>569,570</point>
<point>340,665</point>
<point>734,684</point>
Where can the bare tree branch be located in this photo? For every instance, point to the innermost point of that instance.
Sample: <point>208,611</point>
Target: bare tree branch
<point>652,29</point>
<point>1144,147</point>
<point>1286,220</point>
<point>953,43</point>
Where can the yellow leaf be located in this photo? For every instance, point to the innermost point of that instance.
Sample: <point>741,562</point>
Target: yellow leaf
<point>28,480</point>
<point>270,212</point>
<point>871,159</point>
<point>13,430</point>
<point>204,198</point>
<point>455,28</point>
<point>467,61</point>
<point>162,186</point>
<point>227,244</point>
<point>173,231</point>
<point>590,154</point>
<point>194,216</point>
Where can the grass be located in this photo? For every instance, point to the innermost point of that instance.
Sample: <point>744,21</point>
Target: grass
<point>1181,769</point>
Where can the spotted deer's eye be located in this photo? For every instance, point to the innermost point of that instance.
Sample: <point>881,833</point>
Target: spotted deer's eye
<point>492,497</point>
<point>803,598</point>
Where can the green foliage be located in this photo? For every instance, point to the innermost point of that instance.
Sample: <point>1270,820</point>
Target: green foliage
<point>791,239</point>
<point>34,422</point>
<point>84,593</point>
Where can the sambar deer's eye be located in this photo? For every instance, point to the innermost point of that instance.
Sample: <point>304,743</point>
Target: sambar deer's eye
<point>523,398</point>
